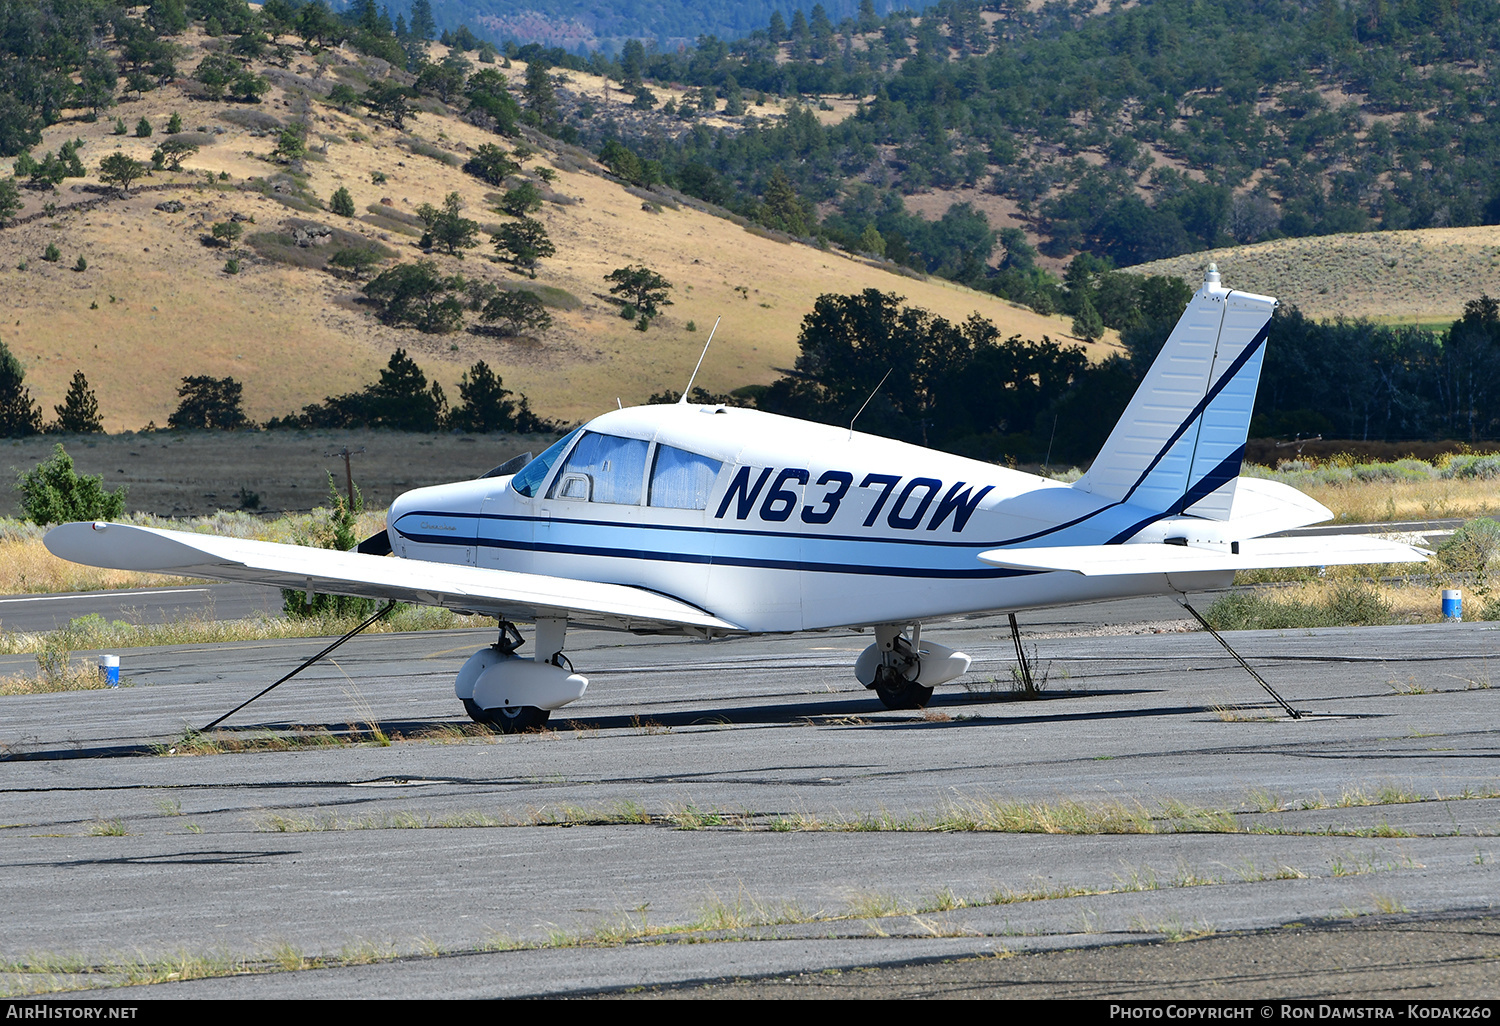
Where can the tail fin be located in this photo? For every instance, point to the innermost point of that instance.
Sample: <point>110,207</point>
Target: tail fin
<point>1179,445</point>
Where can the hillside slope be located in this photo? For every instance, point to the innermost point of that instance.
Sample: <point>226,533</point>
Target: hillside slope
<point>1425,275</point>
<point>155,303</point>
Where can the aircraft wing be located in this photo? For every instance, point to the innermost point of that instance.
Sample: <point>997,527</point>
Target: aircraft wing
<point>502,593</point>
<point>1256,554</point>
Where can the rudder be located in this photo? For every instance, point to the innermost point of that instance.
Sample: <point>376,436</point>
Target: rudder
<point>1179,445</point>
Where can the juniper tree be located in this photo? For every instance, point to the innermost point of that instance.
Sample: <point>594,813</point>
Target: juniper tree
<point>118,169</point>
<point>518,311</point>
<point>522,243</point>
<point>644,288</point>
<point>490,164</point>
<point>446,228</point>
<point>341,202</point>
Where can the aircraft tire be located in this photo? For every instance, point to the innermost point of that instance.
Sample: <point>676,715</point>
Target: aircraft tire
<point>899,693</point>
<point>513,720</point>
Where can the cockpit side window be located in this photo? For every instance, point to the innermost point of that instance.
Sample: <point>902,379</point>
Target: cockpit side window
<point>603,468</point>
<point>530,477</point>
<point>682,479</point>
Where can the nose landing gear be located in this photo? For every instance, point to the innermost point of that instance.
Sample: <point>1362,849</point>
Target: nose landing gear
<point>902,670</point>
<point>502,689</point>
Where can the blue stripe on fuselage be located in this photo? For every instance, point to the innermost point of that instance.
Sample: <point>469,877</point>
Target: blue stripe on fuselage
<point>790,550</point>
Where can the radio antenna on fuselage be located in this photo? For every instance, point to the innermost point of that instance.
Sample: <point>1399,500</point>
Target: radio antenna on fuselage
<point>867,401</point>
<point>687,391</point>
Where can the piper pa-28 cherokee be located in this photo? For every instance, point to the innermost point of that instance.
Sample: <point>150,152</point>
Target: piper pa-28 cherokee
<point>713,521</point>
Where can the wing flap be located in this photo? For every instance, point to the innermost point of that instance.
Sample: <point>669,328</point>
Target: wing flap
<point>1255,554</point>
<point>504,593</point>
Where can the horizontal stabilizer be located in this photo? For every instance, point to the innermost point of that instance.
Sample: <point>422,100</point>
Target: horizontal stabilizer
<point>503,593</point>
<point>1256,554</point>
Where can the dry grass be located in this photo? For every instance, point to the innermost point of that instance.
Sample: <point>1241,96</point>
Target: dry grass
<point>80,676</point>
<point>95,632</point>
<point>1339,599</point>
<point>1421,276</point>
<point>1456,483</point>
<point>26,567</point>
<point>1369,502</point>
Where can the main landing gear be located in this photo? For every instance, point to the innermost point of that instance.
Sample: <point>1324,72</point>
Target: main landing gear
<point>504,690</point>
<point>902,669</point>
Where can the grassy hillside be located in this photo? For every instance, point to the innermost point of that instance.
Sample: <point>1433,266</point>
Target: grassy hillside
<point>1423,276</point>
<point>155,304</point>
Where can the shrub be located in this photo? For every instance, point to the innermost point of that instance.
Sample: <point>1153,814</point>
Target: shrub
<point>337,532</point>
<point>143,129</point>
<point>355,259</point>
<point>1473,547</point>
<point>1351,604</point>
<point>52,254</point>
<point>53,493</point>
<point>522,200</point>
<point>490,164</point>
<point>341,202</point>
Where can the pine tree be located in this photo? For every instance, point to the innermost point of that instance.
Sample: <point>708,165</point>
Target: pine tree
<point>208,403</point>
<point>487,404</point>
<point>1088,325</point>
<point>783,207</point>
<point>19,413</point>
<point>79,412</point>
<point>422,24</point>
<point>541,98</point>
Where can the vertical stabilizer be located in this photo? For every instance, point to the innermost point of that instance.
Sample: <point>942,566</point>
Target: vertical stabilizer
<point>1179,445</point>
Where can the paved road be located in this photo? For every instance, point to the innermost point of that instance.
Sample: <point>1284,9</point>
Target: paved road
<point>27,613</point>
<point>438,842</point>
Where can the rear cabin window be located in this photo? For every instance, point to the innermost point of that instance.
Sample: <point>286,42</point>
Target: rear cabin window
<point>682,479</point>
<point>603,468</point>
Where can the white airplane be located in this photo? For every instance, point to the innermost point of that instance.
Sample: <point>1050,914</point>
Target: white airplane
<point>713,521</point>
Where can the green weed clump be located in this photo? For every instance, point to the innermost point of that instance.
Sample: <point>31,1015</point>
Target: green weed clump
<point>1347,605</point>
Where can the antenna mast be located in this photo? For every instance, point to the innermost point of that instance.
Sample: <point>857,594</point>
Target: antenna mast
<point>689,389</point>
<point>867,401</point>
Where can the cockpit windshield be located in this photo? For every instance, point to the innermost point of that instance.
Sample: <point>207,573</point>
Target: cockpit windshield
<point>531,476</point>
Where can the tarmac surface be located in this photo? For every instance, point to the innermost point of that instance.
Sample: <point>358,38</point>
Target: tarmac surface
<point>750,793</point>
<point>139,605</point>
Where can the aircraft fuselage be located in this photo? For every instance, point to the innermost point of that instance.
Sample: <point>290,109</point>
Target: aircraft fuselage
<point>775,524</point>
